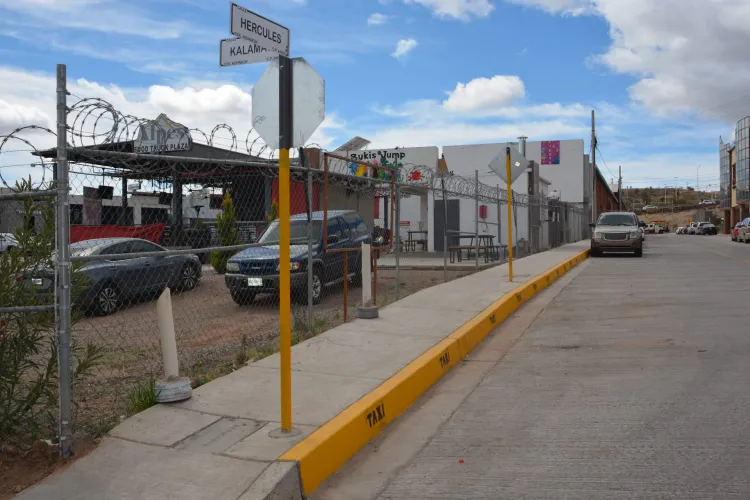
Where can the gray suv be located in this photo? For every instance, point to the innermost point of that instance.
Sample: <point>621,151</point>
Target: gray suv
<point>616,232</point>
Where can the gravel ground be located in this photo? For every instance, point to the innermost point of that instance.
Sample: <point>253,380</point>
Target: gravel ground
<point>210,328</point>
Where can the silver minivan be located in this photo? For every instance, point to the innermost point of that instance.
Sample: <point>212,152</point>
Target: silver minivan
<point>616,232</point>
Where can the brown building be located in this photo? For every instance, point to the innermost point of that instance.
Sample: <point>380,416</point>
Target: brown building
<point>606,200</point>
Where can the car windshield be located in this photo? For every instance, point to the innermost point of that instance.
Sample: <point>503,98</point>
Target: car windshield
<point>297,232</point>
<point>616,220</point>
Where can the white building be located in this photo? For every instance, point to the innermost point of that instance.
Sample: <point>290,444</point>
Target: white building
<point>563,167</point>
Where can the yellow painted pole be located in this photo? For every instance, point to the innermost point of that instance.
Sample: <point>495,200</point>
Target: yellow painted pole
<point>285,296</point>
<point>509,195</point>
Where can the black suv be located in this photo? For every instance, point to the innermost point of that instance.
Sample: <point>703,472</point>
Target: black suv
<point>256,270</point>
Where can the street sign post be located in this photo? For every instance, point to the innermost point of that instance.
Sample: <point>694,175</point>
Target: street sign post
<point>253,27</point>
<point>509,165</point>
<point>288,106</point>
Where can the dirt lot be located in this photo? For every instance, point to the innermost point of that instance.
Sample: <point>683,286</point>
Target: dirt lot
<point>210,328</point>
<point>21,469</point>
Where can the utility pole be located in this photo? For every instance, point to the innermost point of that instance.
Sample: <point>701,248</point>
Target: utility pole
<point>698,180</point>
<point>619,188</point>
<point>593,167</point>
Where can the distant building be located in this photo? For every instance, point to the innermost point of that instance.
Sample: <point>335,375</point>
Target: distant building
<point>734,175</point>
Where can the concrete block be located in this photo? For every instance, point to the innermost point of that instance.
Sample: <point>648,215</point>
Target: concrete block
<point>123,470</point>
<point>220,435</point>
<point>163,425</point>
<point>252,392</point>
<point>264,447</point>
<point>280,481</point>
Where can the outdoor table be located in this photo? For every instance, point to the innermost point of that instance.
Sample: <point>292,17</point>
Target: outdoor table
<point>412,243</point>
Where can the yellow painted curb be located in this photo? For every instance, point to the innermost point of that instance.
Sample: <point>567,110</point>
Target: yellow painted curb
<point>327,449</point>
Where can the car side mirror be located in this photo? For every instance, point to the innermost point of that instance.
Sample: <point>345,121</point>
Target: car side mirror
<point>333,238</point>
<point>592,224</point>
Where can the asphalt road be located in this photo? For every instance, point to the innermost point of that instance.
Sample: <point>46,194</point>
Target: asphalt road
<point>632,383</point>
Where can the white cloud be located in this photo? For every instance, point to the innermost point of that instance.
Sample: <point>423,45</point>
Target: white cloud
<point>457,9</point>
<point>224,99</point>
<point>571,7</point>
<point>688,55</point>
<point>484,94</point>
<point>377,19</point>
<point>107,16</point>
<point>403,47</point>
<point>13,116</point>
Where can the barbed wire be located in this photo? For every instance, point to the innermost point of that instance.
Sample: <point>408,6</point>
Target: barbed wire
<point>123,145</point>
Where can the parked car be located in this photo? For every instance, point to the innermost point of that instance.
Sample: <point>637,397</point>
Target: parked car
<point>691,228</point>
<point>743,230</point>
<point>7,241</point>
<point>680,230</point>
<point>616,232</point>
<point>734,231</point>
<point>256,270</point>
<point>108,283</point>
<point>707,228</point>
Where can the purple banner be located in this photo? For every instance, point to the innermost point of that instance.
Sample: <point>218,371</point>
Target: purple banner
<point>550,152</point>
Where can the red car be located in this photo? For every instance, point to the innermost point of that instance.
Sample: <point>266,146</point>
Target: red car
<point>735,231</point>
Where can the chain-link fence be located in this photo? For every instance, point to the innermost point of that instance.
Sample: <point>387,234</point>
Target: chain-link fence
<point>136,207</point>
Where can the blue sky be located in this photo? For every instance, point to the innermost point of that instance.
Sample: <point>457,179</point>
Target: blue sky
<point>471,71</point>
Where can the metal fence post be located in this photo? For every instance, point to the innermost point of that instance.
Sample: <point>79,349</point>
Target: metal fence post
<point>499,223</point>
<point>308,200</point>
<point>63,291</point>
<point>476,218</point>
<point>397,232</point>
<point>445,231</point>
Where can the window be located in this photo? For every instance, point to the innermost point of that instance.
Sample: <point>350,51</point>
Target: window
<point>215,202</point>
<point>334,228</point>
<point>361,228</point>
<point>76,214</point>
<point>297,232</point>
<point>616,220</point>
<point>144,246</point>
<point>116,248</point>
<point>350,225</point>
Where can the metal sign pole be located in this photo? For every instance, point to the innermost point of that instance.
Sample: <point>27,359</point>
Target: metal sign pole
<point>510,215</point>
<point>285,144</point>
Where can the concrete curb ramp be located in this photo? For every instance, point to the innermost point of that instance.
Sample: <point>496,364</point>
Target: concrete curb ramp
<point>327,449</point>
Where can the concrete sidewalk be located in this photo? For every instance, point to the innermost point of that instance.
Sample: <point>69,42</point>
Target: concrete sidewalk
<point>221,443</point>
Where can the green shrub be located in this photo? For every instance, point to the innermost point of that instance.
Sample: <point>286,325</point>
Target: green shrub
<point>226,225</point>
<point>28,340</point>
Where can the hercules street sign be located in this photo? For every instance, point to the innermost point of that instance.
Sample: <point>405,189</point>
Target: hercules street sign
<point>264,33</point>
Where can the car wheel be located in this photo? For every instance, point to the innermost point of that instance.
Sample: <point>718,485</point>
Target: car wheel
<point>595,252</point>
<point>243,297</point>
<point>107,299</point>
<point>188,278</point>
<point>639,252</point>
